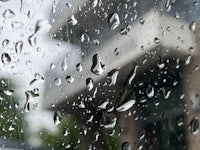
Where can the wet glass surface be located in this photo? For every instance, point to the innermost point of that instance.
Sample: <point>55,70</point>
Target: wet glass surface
<point>99,74</point>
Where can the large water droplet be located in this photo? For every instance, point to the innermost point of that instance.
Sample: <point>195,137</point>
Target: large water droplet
<point>64,64</point>
<point>8,14</point>
<point>194,125</point>
<point>19,47</point>
<point>193,26</point>
<point>5,58</point>
<point>72,20</point>
<point>126,106</point>
<point>89,84</point>
<point>150,91</point>
<point>57,81</point>
<point>114,21</point>
<point>97,66</point>
<point>113,75</point>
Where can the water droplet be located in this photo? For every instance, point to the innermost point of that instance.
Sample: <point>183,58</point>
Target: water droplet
<point>8,92</point>
<point>116,52</point>
<point>126,106</point>
<point>187,59</point>
<point>57,81</point>
<point>194,125</point>
<point>166,93</point>
<point>132,75</point>
<point>5,42</point>
<point>37,79</point>
<point>193,26</point>
<point>160,64</point>
<point>94,3</point>
<point>68,146</point>
<point>196,5</point>
<point>108,120</point>
<point>72,20</point>
<point>168,6</point>
<point>103,105</point>
<point>52,66</point>
<point>12,126</point>
<point>156,40</point>
<point>66,132</point>
<point>69,79</point>
<point>57,118</point>
<point>89,84</point>
<point>5,58</point>
<point>81,105</point>
<point>142,21</point>
<point>113,75</point>
<point>19,47</point>
<point>150,91</point>
<point>41,26</point>
<point>79,67</point>
<point>32,39</point>
<point>68,5</point>
<point>8,14</point>
<point>97,66</point>
<point>126,146</point>
<point>85,38</point>
<point>64,64</point>
<point>17,25</point>
<point>114,21</point>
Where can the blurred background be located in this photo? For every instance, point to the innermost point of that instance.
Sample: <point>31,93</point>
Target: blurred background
<point>94,74</point>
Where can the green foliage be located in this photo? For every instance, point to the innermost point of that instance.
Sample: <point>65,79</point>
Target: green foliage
<point>12,122</point>
<point>111,139</point>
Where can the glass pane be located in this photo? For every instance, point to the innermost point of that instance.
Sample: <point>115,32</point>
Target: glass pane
<point>99,74</point>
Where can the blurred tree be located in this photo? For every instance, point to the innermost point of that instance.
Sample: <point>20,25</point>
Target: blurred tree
<point>12,123</point>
